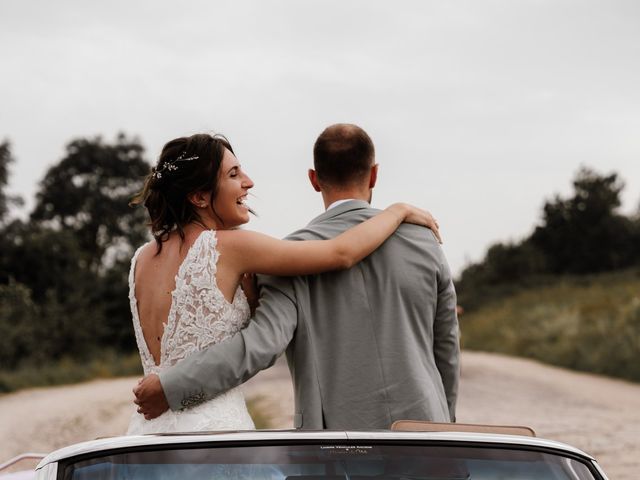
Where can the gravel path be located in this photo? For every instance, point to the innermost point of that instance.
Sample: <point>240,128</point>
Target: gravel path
<point>596,414</point>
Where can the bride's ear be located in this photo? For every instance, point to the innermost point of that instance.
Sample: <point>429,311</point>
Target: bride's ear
<point>199,199</point>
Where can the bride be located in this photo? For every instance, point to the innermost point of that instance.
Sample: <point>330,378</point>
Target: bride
<point>184,287</point>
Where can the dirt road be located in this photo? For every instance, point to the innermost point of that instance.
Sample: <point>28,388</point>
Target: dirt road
<point>596,414</point>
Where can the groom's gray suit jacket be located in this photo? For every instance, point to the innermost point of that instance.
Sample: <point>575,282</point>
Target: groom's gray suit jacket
<point>366,346</point>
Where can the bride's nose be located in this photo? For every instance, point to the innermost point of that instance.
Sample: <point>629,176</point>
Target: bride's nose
<point>247,182</point>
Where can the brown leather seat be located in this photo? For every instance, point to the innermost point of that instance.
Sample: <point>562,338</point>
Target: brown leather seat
<point>423,426</point>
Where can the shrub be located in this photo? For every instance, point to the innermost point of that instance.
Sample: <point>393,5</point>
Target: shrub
<point>590,324</point>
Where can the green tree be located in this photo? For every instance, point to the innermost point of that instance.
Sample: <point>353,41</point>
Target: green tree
<point>580,234</point>
<point>111,292</point>
<point>43,259</point>
<point>17,312</point>
<point>34,333</point>
<point>505,268</point>
<point>584,233</point>
<point>65,271</point>
<point>6,200</point>
<point>87,193</point>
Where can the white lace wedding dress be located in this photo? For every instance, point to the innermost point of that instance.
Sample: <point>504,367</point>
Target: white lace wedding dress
<point>199,316</point>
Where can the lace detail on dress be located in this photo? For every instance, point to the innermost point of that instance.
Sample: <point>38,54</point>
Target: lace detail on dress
<point>199,316</point>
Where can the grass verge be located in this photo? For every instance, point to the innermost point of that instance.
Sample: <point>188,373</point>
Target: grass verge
<point>108,364</point>
<point>590,324</point>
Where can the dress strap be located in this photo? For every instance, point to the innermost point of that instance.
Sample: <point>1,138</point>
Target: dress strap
<point>203,254</point>
<point>132,271</point>
<point>148,362</point>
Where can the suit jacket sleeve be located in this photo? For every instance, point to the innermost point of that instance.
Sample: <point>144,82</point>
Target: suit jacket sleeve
<point>205,374</point>
<point>446,346</point>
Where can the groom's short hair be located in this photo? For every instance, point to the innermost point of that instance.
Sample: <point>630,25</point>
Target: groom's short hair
<point>343,154</point>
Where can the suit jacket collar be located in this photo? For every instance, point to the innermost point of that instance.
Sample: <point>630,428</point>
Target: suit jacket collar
<point>339,210</point>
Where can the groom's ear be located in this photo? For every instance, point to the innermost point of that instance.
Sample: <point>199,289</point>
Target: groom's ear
<point>373,176</point>
<point>313,178</point>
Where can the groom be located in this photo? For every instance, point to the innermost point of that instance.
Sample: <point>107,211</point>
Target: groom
<point>365,346</point>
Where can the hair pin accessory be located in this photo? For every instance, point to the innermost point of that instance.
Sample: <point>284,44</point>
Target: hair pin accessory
<point>170,165</point>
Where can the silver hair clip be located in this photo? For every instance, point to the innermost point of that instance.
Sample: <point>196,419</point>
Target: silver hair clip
<point>170,166</point>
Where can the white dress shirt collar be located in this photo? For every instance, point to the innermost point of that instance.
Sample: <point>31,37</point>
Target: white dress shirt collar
<point>339,202</point>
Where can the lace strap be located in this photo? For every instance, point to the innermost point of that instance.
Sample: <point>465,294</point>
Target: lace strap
<point>203,254</point>
<point>132,272</point>
<point>145,355</point>
<point>195,286</point>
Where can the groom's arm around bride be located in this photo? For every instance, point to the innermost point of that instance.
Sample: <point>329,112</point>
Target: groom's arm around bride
<point>366,346</point>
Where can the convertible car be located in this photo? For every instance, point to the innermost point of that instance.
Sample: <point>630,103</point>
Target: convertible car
<point>408,452</point>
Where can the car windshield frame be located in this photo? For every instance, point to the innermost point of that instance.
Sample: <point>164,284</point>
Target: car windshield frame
<point>66,464</point>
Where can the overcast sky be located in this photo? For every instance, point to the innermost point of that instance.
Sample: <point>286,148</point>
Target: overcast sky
<point>479,110</point>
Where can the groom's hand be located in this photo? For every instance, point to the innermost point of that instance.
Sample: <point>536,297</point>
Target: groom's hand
<point>150,397</point>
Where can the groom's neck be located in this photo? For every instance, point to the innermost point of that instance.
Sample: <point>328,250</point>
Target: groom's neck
<point>331,196</point>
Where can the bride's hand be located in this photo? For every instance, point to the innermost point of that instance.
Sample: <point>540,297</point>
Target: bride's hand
<point>417,216</point>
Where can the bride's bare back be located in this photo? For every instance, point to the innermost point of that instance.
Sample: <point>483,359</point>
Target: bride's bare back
<point>155,280</point>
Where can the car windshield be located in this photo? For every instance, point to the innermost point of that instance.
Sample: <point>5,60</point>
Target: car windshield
<point>362,461</point>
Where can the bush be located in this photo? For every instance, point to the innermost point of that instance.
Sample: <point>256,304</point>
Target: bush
<point>590,324</point>
<point>16,327</point>
<point>55,342</point>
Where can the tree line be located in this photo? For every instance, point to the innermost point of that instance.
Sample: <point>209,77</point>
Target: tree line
<point>580,235</point>
<point>63,270</point>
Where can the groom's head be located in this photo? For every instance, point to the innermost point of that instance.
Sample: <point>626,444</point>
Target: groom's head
<point>344,163</point>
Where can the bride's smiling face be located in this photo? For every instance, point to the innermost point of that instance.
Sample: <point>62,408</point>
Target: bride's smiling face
<point>230,209</point>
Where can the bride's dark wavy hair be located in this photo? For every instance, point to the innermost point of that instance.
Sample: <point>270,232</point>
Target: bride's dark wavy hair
<point>167,188</point>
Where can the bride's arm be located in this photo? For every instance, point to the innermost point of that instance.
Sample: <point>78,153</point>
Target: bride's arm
<point>254,252</point>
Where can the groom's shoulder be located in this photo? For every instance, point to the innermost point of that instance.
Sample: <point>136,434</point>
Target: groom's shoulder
<point>326,226</point>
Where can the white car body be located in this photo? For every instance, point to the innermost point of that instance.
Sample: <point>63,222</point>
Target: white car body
<point>347,442</point>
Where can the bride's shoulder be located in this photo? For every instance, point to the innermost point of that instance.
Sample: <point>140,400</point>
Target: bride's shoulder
<point>146,250</point>
<point>239,242</point>
<point>237,236</point>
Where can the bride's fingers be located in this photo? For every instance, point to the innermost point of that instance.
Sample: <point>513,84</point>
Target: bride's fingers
<point>137,387</point>
<point>424,218</point>
<point>436,232</point>
<point>433,225</point>
<point>435,228</point>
